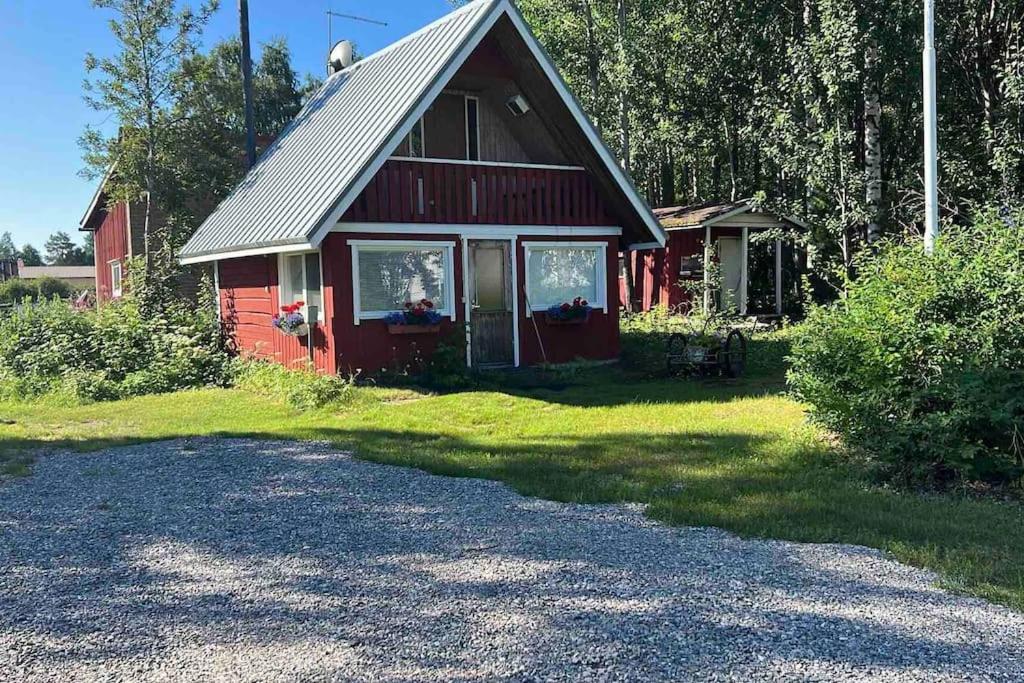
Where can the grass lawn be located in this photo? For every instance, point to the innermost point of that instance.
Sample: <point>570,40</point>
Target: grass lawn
<point>726,454</point>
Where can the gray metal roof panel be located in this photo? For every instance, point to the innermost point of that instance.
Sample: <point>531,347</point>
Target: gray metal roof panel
<point>340,130</point>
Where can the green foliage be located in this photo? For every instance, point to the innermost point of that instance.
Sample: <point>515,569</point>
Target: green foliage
<point>51,350</point>
<point>922,365</point>
<point>301,388</point>
<point>16,290</point>
<point>62,251</point>
<point>50,287</point>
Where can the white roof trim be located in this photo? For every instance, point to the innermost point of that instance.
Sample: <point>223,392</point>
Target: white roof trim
<point>588,127</point>
<point>96,196</point>
<point>241,253</point>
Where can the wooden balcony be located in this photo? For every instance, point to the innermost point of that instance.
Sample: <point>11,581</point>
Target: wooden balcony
<point>430,191</point>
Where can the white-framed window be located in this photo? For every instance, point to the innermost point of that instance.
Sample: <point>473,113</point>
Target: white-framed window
<point>472,128</point>
<point>417,143</point>
<point>299,280</point>
<point>115,279</point>
<point>386,274</point>
<point>558,272</point>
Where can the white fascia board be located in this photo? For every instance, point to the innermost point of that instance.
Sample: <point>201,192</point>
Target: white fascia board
<point>240,253</point>
<point>481,231</point>
<point>584,122</point>
<point>415,114</point>
<point>644,246</point>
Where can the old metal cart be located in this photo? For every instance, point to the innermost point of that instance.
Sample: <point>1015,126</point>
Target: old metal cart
<point>705,354</point>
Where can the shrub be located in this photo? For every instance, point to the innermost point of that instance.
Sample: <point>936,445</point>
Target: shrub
<point>300,388</point>
<point>50,287</point>
<point>116,352</point>
<point>922,364</point>
<point>16,290</point>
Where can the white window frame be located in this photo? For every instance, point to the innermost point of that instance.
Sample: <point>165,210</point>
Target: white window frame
<point>601,266</point>
<point>466,99</point>
<point>447,309</point>
<point>282,278</point>
<point>116,290</point>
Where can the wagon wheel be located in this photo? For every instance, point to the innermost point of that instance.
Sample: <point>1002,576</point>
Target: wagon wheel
<point>734,354</point>
<point>675,352</point>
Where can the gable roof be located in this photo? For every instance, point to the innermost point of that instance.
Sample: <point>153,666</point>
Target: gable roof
<point>303,183</point>
<point>709,213</point>
<point>59,272</point>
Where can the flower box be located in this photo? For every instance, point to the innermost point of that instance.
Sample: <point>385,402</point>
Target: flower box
<point>582,320</point>
<point>413,329</point>
<point>300,331</point>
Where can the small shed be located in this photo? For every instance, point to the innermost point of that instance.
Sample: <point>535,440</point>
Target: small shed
<point>79,277</point>
<point>752,275</point>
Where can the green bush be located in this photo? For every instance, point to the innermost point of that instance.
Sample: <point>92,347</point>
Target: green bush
<point>300,388</point>
<point>16,290</point>
<point>50,287</point>
<point>922,364</point>
<point>117,352</point>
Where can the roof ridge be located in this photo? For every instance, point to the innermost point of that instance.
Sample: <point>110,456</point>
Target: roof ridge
<point>465,9</point>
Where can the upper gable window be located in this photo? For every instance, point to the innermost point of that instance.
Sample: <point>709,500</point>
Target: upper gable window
<point>416,141</point>
<point>472,129</point>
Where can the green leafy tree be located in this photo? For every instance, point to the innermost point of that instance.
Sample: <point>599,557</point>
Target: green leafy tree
<point>62,251</point>
<point>30,256</point>
<point>7,248</point>
<point>138,85</point>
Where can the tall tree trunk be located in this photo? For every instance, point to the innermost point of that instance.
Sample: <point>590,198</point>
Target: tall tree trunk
<point>872,142</point>
<point>668,177</point>
<point>593,61</point>
<point>624,103</point>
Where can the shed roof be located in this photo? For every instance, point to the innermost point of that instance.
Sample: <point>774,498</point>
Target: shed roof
<point>59,272</point>
<point>709,213</point>
<point>309,176</point>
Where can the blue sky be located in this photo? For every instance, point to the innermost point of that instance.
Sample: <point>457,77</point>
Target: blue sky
<point>42,47</point>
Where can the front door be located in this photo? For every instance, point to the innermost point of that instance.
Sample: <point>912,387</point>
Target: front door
<point>730,263</point>
<point>490,290</point>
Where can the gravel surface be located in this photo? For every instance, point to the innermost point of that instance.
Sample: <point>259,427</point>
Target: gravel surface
<point>251,560</point>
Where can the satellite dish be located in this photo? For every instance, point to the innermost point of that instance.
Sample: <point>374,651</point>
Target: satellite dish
<point>340,56</point>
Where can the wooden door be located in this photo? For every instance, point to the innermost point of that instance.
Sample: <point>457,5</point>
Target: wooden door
<point>490,289</point>
<point>730,263</point>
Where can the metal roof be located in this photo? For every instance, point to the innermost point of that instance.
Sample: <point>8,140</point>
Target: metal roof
<point>321,161</point>
<point>708,213</point>
<point>59,272</point>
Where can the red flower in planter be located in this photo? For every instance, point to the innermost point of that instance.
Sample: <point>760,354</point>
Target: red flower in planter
<point>566,307</point>
<point>426,303</point>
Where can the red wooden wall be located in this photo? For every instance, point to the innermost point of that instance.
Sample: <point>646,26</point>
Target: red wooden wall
<point>504,196</point>
<point>656,271</point>
<point>111,244</point>
<point>249,298</point>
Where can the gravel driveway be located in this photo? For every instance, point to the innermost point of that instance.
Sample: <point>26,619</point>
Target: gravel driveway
<point>261,561</point>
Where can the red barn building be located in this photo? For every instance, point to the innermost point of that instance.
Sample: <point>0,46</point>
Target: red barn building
<point>117,231</point>
<point>454,166</point>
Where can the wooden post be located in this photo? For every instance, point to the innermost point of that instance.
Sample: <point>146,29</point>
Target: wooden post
<point>744,264</point>
<point>778,277</point>
<point>707,269</point>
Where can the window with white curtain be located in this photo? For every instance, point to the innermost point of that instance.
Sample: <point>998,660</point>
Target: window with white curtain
<point>300,281</point>
<point>387,275</point>
<point>558,272</point>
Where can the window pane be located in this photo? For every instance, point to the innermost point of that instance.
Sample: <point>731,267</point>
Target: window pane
<point>292,280</point>
<point>472,130</point>
<point>561,275</point>
<point>390,278</point>
<point>416,140</point>
<point>313,296</point>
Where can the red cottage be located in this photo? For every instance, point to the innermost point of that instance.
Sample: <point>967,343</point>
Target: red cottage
<point>754,276</point>
<point>452,166</point>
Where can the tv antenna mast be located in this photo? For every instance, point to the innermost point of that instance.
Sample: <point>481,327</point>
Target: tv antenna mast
<point>331,16</point>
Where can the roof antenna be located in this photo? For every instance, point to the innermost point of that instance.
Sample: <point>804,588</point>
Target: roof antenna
<point>330,30</point>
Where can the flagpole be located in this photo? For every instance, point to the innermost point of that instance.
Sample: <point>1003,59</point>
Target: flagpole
<point>931,201</point>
